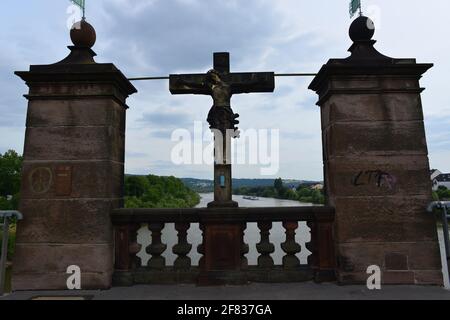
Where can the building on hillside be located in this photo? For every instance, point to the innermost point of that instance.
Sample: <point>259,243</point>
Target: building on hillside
<point>318,186</point>
<point>440,180</point>
<point>434,173</point>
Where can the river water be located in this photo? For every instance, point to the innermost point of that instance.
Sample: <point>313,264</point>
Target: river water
<point>277,236</point>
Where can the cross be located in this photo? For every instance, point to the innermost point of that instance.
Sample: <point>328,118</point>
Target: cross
<point>221,85</point>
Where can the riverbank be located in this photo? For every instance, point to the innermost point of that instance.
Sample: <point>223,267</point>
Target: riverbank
<point>303,193</point>
<point>205,198</point>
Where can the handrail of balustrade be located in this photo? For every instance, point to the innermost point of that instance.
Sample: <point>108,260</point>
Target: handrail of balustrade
<point>194,215</point>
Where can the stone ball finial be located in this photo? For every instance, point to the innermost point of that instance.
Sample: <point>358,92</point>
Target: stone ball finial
<point>83,34</point>
<point>362,29</point>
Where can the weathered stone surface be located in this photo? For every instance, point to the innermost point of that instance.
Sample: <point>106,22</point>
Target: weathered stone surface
<point>359,256</point>
<point>369,82</point>
<point>56,258</point>
<point>72,173</point>
<point>371,107</point>
<point>396,219</point>
<point>98,112</point>
<point>397,277</point>
<point>74,143</point>
<point>396,261</point>
<point>376,138</point>
<point>57,281</point>
<point>66,221</point>
<point>90,179</point>
<point>376,164</point>
<point>432,277</point>
<point>378,176</point>
<point>76,89</point>
<point>425,255</point>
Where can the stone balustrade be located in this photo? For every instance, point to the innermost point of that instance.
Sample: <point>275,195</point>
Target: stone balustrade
<point>128,269</point>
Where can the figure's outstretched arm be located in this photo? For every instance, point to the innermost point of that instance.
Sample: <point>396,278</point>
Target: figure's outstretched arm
<point>188,84</point>
<point>253,82</point>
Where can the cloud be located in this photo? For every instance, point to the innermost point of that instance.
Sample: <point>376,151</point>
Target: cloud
<point>131,154</point>
<point>158,37</point>
<point>165,119</point>
<point>171,36</point>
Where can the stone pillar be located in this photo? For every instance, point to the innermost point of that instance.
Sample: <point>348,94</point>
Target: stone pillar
<point>73,169</point>
<point>376,164</point>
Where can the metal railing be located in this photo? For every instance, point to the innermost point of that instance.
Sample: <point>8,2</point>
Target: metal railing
<point>443,206</point>
<point>5,216</point>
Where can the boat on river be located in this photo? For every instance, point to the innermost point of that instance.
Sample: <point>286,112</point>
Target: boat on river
<point>252,198</point>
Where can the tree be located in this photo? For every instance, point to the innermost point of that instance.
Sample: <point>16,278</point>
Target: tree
<point>10,176</point>
<point>443,193</point>
<point>136,186</point>
<point>291,194</point>
<point>278,184</point>
<point>10,173</point>
<point>279,187</point>
<point>158,192</point>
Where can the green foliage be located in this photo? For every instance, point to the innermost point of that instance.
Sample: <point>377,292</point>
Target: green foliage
<point>280,189</point>
<point>10,175</point>
<point>278,184</point>
<point>442,194</point>
<point>303,193</point>
<point>11,240</point>
<point>435,196</point>
<point>158,192</point>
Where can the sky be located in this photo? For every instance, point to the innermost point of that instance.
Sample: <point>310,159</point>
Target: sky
<point>162,37</point>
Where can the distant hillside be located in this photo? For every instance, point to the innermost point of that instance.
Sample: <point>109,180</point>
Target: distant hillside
<point>158,192</point>
<point>205,185</point>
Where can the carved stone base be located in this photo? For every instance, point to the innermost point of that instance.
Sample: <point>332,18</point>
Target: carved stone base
<point>221,278</point>
<point>223,253</point>
<point>222,204</point>
<point>324,276</point>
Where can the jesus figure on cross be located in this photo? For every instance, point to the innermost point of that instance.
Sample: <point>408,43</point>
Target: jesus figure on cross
<point>220,84</point>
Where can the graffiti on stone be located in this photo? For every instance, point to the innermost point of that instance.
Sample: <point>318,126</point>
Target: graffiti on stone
<point>378,178</point>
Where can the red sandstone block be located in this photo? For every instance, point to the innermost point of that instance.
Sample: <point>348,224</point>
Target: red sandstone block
<point>373,84</point>
<point>398,277</point>
<point>359,256</point>
<point>374,176</point>
<point>57,281</point>
<point>82,112</point>
<point>74,143</point>
<point>384,219</point>
<point>74,90</point>
<point>395,261</point>
<point>376,138</point>
<point>66,221</point>
<point>87,179</point>
<point>425,277</point>
<point>56,258</point>
<point>374,107</point>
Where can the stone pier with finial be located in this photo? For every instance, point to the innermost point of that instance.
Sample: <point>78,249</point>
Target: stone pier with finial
<point>73,168</point>
<point>376,164</point>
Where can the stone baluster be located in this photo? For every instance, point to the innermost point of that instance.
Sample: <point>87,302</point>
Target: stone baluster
<point>201,247</point>
<point>264,247</point>
<point>312,245</point>
<point>156,248</point>
<point>290,246</point>
<point>244,249</point>
<point>182,248</point>
<point>126,247</point>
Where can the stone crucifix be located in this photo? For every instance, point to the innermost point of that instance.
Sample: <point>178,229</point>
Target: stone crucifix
<point>221,85</point>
